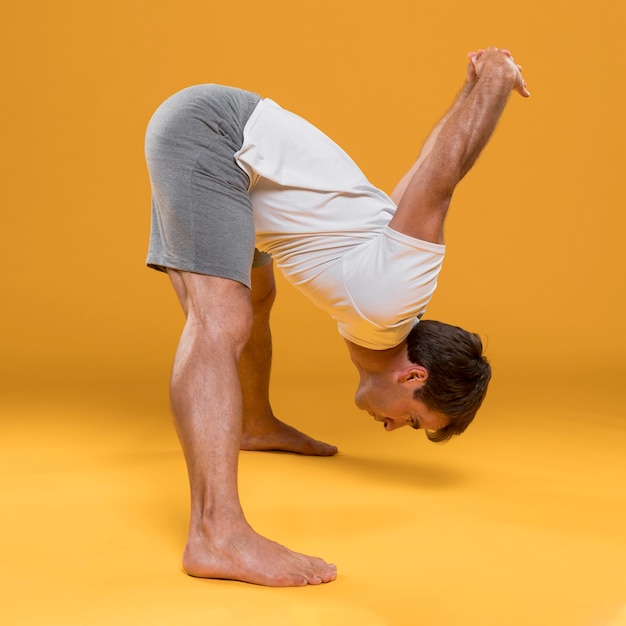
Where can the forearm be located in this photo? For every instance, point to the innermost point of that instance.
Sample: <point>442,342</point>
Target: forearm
<point>427,147</point>
<point>467,130</point>
<point>458,142</point>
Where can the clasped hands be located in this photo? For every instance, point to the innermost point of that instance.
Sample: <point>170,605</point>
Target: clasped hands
<point>498,59</point>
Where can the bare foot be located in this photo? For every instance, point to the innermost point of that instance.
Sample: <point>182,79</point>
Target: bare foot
<point>272,434</point>
<point>247,556</point>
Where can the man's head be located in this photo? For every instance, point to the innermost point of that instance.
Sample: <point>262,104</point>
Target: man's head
<point>458,374</point>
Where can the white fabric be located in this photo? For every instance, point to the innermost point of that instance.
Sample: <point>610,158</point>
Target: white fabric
<point>326,226</point>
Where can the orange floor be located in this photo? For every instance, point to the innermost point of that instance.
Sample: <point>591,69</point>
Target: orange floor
<point>520,522</point>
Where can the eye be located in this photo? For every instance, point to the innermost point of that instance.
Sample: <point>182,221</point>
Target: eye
<point>414,423</point>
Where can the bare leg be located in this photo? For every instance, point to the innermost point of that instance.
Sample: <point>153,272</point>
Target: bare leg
<point>261,429</point>
<point>206,402</point>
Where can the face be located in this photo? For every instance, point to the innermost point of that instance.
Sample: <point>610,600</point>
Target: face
<point>391,403</point>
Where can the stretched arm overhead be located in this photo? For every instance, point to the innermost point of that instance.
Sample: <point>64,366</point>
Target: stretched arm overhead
<point>398,192</point>
<point>424,194</point>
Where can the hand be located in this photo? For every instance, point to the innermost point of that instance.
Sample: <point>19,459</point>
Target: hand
<point>484,60</point>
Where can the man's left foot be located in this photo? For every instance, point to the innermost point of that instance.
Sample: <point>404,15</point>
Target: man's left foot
<point>272,434</point>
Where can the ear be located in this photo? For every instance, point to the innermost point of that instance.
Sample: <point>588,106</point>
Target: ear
<point>414,374</point>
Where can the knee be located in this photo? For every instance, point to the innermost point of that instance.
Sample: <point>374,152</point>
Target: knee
<point>229,326</point>
<point>221,325</point>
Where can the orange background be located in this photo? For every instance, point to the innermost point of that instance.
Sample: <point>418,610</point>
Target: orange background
<point>94,501</point>
<point>536,259</point>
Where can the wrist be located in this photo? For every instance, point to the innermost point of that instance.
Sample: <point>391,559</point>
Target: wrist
<point>500,75</point>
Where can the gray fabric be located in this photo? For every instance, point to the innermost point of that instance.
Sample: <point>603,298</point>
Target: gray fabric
<point>201,212</point>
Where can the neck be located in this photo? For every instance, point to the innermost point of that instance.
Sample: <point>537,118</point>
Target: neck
<point>369,361</point>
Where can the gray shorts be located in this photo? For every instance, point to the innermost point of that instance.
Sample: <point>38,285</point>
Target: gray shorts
<point>201,211</point>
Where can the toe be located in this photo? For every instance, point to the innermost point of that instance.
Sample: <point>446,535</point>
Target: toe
<point>324,449</point>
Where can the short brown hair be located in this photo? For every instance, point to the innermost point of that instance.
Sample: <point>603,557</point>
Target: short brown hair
<point>458,374</point>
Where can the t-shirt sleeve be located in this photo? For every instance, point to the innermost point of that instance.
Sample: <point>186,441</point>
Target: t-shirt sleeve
<point>390,281</point>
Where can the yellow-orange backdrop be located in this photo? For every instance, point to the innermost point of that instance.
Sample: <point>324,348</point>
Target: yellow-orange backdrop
<point>518,522</point>
<point>536,259</point>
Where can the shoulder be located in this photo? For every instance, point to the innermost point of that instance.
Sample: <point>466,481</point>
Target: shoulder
<point>392,277</point>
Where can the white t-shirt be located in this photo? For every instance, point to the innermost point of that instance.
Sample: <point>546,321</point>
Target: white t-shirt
<point>326,226</point>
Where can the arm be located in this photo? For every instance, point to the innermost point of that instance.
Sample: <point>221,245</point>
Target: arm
<point>456,144</point>
<point>400,188</point>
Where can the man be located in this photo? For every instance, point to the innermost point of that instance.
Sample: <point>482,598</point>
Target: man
<point>230,171</point>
